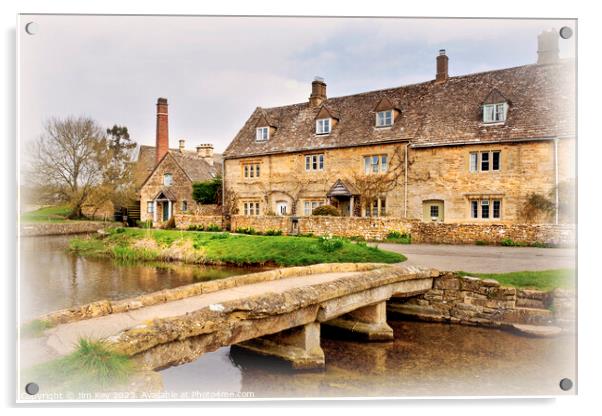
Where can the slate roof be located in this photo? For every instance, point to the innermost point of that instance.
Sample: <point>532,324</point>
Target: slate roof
<point>541,99</point>
<point>195,166</point>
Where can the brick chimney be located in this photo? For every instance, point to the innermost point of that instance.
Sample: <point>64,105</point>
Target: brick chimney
<point>547,47</point>
<point>181,145</point>
<point>162,141</point>
<point>206,152</point>
<point>442,61</point>
<point>318,92</point>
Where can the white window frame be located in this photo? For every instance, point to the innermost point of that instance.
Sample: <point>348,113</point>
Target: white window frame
<point>184,207</point>
<point>309,205</point>
<point>474,209</point>
<point>314,162</point>
<point>485,203</point>
<point>495,113</point>
<point>375,164</point>
<point>150,207</point>
<point>384,118</point>
<point>323,126</point>
<point>165,180</point>
<point>473,162</point>
<point>262,134</point>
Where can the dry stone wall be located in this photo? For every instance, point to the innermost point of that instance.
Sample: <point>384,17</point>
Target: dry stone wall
<point>184,221</point>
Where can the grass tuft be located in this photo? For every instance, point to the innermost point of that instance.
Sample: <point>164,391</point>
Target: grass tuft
<point>35,328</point>
<point>543,280</point>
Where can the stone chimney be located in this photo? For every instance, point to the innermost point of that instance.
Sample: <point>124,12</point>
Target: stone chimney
<point>181,145</point>
<point>318,92</point>
<point>442,60</point>
<point>206,152</point>
<point>547,47</point>
<point>162,142</point>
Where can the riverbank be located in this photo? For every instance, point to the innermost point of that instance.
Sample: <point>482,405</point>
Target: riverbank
<point>37,229</point>
<point>135,244</point>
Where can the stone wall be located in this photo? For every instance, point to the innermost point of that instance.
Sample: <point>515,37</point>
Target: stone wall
<point>183,221</point>
<point>472,301</point>
<point>63,228</point>
<point>421,232</point>
<point>206,209</point>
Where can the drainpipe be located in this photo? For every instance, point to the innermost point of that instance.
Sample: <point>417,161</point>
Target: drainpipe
<point>224,183</point>
<point>405,184</point>
<point>556,178</point>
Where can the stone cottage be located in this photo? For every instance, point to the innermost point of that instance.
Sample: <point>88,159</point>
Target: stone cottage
<point>165,176</point>
<point>471,148</point>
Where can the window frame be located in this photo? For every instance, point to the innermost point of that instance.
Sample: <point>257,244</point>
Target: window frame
<point>314,162</point>
<point>323,126</point>
<point>251,170</point>
<point>495,113</point>
<point>261,137</point>
<point>473,157</point>
<point>165,176</point>
<point>311,204</point>
<point>380,162</point>
<point>381,122</point>
<point>150,207</point>
<point>251,208</point>
<point>184,206</point>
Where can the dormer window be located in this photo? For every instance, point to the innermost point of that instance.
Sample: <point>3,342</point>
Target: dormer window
<point>495,113</point>
<point>323,126</point>
<point>168,179</point>
<point>384,118</point>
<point>262,134</point>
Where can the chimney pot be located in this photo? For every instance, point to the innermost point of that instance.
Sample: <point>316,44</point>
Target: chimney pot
<point>162,137</point>
<point>547,47</point>
<point>318,92</point>
<point>442,66</point>
<point>182,144</point>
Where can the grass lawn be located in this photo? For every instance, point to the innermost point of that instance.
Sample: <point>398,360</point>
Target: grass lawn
<point>47,214</point>
<point>136,244</point>
<point>542,280</point>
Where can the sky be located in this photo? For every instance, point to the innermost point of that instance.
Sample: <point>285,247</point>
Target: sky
<point>215,71</point>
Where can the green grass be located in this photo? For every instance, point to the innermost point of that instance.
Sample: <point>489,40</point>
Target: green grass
<point>92,365</point>
<point>542,280</point>
<point>47,214</point>
<point>225,248</point>
<point>35,328</point>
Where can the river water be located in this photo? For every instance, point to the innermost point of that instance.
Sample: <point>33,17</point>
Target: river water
<point>424,359</point>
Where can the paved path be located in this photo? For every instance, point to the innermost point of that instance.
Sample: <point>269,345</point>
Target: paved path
<point>63,338</point>
<point>484,259</point>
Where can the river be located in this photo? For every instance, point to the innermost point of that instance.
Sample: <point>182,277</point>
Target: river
<point>424,359</point>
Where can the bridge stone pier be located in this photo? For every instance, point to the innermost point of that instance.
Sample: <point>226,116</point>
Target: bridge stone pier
<point>276,313</point>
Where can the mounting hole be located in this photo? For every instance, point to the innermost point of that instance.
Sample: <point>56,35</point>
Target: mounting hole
<point>566,384</point>
<point>31,28</point>
<point>566,32</point>
<point>32,388</point>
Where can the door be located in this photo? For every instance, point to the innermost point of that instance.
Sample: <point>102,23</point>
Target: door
<point>281,208</point>
<point>165,211</point>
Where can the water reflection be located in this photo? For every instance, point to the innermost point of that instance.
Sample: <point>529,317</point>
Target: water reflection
<point>424,359</point>
<point>52,278</point>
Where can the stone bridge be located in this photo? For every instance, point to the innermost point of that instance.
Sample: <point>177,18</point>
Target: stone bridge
<point>277,313</point>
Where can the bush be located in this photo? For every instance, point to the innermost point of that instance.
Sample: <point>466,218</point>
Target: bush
<point>213,227</point>
<point>196,227</point>
<point>273,232</point>
<point>207,192</point>
<point>220,236</point>
<point>326,210</point>
<point>481,243</point>
<point>399,237</point>
<point>144,224</point>
<point>331,244</point>
<point>246,230</point>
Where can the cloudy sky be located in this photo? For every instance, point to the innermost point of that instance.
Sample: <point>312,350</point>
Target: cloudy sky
<point>216,70</point>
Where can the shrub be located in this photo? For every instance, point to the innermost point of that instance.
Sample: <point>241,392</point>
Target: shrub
<point>326,210</point>
<point>508,242</point>
<point>220,236</point>
<point>357,238</point>
<point>117,230</point>
<point>399,237</point>
<point>246,230</point>
<point>196,227</point>
<point>273,232</point>
<point>207,192</point>
<point>331,244</point>
<point>144,224</point>
<point>213,227</point>
<point>170,224</point>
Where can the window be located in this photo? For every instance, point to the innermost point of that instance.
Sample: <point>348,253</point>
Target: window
<point>384,118</point>
<point>484,161</point>
<point>373,209</point>
<point>375,164</point>
<point>251,208</point>
<point>262,134</point>
<point>495,160</point>
<point>485,208</point>
<point>323,126</point>
<point>474,161</point>
<point>474,209</point>
<point>314,162</point>
<point>309,206</point>
<point>494,113</point>
<point>150,207</point>
<point>184,206</point>
<point>496,208</point>
<point>167,179</point>
<point>434,211</point>
<point>251,170</point>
